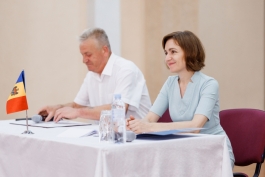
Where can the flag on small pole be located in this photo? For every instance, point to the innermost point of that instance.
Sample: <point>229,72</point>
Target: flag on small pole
<point>17,100</point>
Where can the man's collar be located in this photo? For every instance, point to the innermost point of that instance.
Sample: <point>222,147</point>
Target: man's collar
<point>109,66</point>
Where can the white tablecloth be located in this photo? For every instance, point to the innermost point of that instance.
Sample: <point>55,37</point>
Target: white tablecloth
<point>43,154</point>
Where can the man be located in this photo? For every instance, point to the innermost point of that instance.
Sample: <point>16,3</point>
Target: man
<point>107,74</point>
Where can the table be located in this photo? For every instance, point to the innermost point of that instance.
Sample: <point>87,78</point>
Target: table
<point>43,154</point>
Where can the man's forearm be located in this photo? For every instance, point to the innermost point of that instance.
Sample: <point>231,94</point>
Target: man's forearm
<point>92,112</point>
<point>72,104</point>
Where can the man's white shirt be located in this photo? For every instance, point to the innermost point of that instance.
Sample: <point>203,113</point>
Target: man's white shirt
<point>119,76</point>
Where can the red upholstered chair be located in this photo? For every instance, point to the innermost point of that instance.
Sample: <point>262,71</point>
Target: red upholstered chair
<point>165,117</point>
<point>246,131</point>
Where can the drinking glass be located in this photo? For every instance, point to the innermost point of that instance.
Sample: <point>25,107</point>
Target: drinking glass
<point>105,126</point>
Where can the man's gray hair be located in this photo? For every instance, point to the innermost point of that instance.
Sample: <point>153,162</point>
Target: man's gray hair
<point>96,33</point>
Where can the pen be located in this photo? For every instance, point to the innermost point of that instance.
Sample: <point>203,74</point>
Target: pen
<point>23,119</point>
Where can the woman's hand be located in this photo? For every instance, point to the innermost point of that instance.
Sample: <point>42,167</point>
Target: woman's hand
<point>127,122</point>
<point>138,125</point>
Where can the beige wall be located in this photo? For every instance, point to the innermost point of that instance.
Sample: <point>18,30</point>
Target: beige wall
<point>164,17</point>
<point>232,33</point>
<point>41,38</point>
<point>234,42</point>
<point>133,32</point>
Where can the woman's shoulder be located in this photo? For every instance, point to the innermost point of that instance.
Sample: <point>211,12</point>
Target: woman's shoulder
<point>172,79</point>
<point>170,82</point>
<point>206,79</point>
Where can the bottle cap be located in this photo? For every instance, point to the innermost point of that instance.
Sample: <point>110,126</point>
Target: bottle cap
<point>117,96</point>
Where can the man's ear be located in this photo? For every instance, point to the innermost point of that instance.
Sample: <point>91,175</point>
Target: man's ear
<point>105,49</point>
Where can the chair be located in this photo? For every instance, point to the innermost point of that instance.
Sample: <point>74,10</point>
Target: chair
<point>246,131</point>
<point>165,117</point>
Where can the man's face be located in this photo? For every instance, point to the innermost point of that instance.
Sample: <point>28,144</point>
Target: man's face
<point>94,56</point>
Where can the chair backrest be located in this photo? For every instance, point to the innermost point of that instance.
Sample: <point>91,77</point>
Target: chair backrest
<point>165,117</point>
<point>246,131</point>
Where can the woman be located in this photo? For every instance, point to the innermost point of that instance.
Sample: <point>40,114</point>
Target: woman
<point>191,96</point>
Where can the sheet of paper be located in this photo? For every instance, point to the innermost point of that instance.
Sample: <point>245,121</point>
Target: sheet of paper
<point>62,123</point>
<point>77,132</point>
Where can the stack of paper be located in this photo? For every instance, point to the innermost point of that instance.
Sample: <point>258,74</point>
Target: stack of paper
<point>77,132</point>
<point>52,124</point>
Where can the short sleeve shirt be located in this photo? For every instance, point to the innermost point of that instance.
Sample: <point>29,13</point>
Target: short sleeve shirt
<point>201,97</point>
<point>119,76</point>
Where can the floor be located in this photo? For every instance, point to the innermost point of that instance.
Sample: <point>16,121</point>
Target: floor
<point>249,170</point>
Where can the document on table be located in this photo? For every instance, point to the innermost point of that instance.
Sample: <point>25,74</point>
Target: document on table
<point>176,131</point>
<point>168,134</point>
<point>61,123</point>
<point>78,132</point>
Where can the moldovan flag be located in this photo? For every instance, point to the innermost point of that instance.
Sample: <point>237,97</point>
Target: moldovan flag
<point>17,100</point>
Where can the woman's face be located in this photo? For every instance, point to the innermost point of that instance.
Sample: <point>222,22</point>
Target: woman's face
<point>175,57</point>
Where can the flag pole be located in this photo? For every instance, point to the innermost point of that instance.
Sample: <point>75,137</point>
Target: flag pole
<point>24,83</point>
<point>27,131</point>
<point>27,120</point>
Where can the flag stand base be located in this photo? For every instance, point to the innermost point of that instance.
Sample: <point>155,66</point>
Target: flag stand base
<point>27,132</point>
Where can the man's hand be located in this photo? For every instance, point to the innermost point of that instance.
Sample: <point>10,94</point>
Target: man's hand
<point>65,112</point>
<point>49,111</point>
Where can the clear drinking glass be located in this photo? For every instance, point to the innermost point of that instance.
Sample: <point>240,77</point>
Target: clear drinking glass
<point>105,126</point>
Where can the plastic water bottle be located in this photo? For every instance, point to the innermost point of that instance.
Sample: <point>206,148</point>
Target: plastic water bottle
<point>118,119</point>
